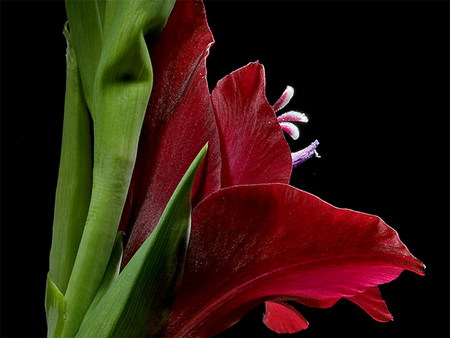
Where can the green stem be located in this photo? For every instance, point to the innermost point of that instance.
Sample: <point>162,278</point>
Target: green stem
<point>139,301</point>
<point>74,180</point>
<point>73,193</point>
<point>117,73</point>
<point>95,248</point>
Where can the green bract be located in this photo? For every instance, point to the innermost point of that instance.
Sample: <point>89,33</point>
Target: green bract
<point>74,182</point>
<point>138,301</point>
<point>72,194</point>
<point>109,75</point>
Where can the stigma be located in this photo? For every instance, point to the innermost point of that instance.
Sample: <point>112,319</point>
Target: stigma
<point>306,153</point>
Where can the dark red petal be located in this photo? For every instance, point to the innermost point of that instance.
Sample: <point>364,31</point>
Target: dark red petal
<point>283,318</point>
<point>371,302</point>
<point>178,123</point>
<point>251,244</point>
<point>253,146</point>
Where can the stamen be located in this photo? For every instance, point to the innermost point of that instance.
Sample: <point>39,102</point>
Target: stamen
<point>293,116</point>
<point>291,129</point>
<point>305,154</point>
<point>284,99</point>
<point>286,123</point>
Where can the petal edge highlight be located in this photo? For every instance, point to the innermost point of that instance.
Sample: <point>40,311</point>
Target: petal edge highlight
<point>257,243</point>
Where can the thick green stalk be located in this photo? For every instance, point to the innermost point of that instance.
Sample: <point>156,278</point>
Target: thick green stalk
<point>112,271</point>
<point>139,301</point>
<point>74,180</point>
<point>72,193</point>
<point>119,80</point>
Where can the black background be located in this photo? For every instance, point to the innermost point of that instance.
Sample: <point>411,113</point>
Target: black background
<point>373,78</point>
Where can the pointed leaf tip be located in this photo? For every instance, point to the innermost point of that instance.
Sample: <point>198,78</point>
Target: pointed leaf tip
<point>139,301</point>
<point>55,309</point>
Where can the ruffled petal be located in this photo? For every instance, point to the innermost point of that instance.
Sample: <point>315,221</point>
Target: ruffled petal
<point>251,244</point>
<point>178,123</point>
<point>283,318</point>
<point>253,147</point>
<point>371,302</point>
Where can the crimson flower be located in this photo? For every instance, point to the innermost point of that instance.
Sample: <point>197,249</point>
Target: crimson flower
<point>254,238</point>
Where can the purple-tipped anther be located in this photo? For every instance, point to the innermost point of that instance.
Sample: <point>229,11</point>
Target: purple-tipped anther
<point>306,153</point>
<point>284,99</point>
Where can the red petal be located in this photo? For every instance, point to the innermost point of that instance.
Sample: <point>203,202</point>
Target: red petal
<point>255,243</point>
<point>283,318</point>
<point>371,302</point>
<point>253,146</point>
<point>178,123</point>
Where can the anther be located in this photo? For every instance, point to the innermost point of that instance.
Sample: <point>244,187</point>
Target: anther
<point>293,116</point>
<point>284,99</point>
<point>291,129</point>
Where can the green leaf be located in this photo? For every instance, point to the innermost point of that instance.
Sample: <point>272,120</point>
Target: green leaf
<point>55,309</point>
<point>112,271</point>
<point>86,27</point>
<point>73,190</point>
<point>139,301</point>
<point>117,79</point>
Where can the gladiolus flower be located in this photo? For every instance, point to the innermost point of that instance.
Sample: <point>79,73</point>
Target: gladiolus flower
<point>254,238</point>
